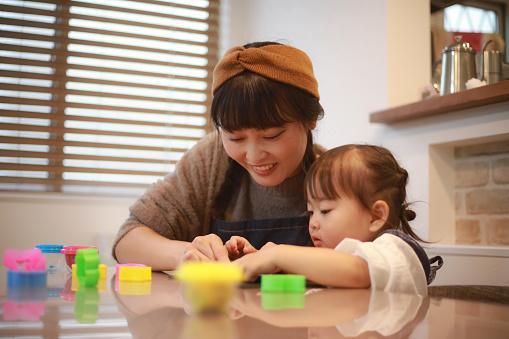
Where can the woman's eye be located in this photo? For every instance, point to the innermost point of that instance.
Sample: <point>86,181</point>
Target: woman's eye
<point>235,139</point>
<point>310,213</point>
<point>324,211</point>
<point>270,137</point>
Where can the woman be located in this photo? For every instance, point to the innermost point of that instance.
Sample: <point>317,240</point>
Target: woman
<point>245,179</point>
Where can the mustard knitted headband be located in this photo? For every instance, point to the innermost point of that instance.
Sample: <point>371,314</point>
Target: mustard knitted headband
<point>278,62</point>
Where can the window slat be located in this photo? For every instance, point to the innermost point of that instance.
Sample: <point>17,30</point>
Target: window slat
<point>210,51</point>
<point>52,156</point>
<point>132,84</point>
<point>28,36</point>
<point>123,96</point>
<point>60,144</point>
<point>28,23</point>
<point>140,24</point>
<point>131,71</point>
<point>19,48</point>
<point>212,5</point>
<point>212,20</point>
<point>63,118</point>
<point>140,36</point>
<point>148,62</point>
<point>130,109</point>
<point>26,62</point>
<point>27,75</point>
<point>61,131</point>
<point>59,169</point>
<point>26,10</point>
<point>16,87</point>
<point>61,182</point>
<point>25,101</point>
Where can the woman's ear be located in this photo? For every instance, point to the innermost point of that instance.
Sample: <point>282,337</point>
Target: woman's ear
<point>312,125</point>
<point>379,215</point>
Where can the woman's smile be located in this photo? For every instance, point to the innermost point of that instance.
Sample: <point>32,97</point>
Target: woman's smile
<point>264,170</point>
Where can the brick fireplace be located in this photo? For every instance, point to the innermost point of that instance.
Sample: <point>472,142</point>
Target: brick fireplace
<point>482,193</point>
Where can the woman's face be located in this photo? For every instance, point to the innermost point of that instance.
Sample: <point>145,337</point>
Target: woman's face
<point>269,155</point>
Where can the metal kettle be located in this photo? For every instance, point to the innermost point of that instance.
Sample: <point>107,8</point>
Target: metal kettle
<point>458,66</point>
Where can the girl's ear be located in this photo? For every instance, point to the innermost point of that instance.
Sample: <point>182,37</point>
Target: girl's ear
<point>312,125</point>
<point>379,215</point>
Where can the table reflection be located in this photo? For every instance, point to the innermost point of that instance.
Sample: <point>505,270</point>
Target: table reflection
<point>319,313</point>
<point>159,310</point>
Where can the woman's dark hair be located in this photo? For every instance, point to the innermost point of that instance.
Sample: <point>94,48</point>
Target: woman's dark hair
<point>249,100</point>
<point>366,173</point>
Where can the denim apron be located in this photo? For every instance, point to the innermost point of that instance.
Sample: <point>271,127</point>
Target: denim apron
<point>265,214</point>
<point>292,231</point>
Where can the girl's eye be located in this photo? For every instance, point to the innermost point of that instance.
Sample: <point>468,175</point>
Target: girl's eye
<point>324,211</point>
<point>310,213</point>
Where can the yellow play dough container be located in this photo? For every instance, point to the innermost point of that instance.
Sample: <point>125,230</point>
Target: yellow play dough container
<point>209,286</point>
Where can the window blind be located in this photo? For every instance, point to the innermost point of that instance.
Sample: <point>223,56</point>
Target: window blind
<point>102,96</point>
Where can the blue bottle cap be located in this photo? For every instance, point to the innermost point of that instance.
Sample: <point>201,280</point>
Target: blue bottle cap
<point>21,279</point>
<point>50,248</point>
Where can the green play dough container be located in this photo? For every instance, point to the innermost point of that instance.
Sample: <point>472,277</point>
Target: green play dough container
<point>281,283</point>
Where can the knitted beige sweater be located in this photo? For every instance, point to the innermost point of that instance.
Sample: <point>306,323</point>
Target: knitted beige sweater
<point>180,205</point>
<point>184,198</point>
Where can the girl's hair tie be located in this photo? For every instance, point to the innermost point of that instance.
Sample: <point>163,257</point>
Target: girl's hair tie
<point>407,213</point>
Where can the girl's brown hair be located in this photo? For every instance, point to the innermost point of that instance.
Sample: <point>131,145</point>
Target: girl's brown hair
<point>249,100</point>
<point>366,173</point>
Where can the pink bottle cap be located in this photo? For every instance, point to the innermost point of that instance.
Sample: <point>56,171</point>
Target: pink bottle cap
<point>70,253</point>
<point>73,249</point>
<point>30,260</point>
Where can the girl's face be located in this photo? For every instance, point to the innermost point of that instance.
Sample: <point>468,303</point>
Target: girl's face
<point>269,155</point>
<point>331,221</point>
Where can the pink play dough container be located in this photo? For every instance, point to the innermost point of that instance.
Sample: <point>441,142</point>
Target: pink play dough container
<point>70,253</point>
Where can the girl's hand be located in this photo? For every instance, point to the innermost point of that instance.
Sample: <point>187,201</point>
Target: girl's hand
<point>238,247</point>
<point>206,248</point>
<point>268,245</point>
<point>261,262</point>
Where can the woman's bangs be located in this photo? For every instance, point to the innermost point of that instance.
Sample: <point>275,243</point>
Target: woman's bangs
<point>250,101</point>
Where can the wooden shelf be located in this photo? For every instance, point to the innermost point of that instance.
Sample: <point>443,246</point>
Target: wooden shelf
<point>476,97</point>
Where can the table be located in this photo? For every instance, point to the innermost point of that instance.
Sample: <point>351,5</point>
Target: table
<point>159,310</point>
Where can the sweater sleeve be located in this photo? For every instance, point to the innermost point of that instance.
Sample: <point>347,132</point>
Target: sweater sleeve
<point>393,264</point>
<point>179,206</point>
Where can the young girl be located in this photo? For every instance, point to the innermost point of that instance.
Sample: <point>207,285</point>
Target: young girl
<point>358,224</point>
<point>245,179</point>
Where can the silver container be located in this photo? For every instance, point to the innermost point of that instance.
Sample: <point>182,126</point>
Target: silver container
<point>458,66</point>
<point>490,64</point>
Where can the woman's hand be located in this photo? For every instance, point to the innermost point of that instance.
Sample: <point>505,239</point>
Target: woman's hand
<point>261,262</point>
<point>238,247</point>
<point>206,248</point>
